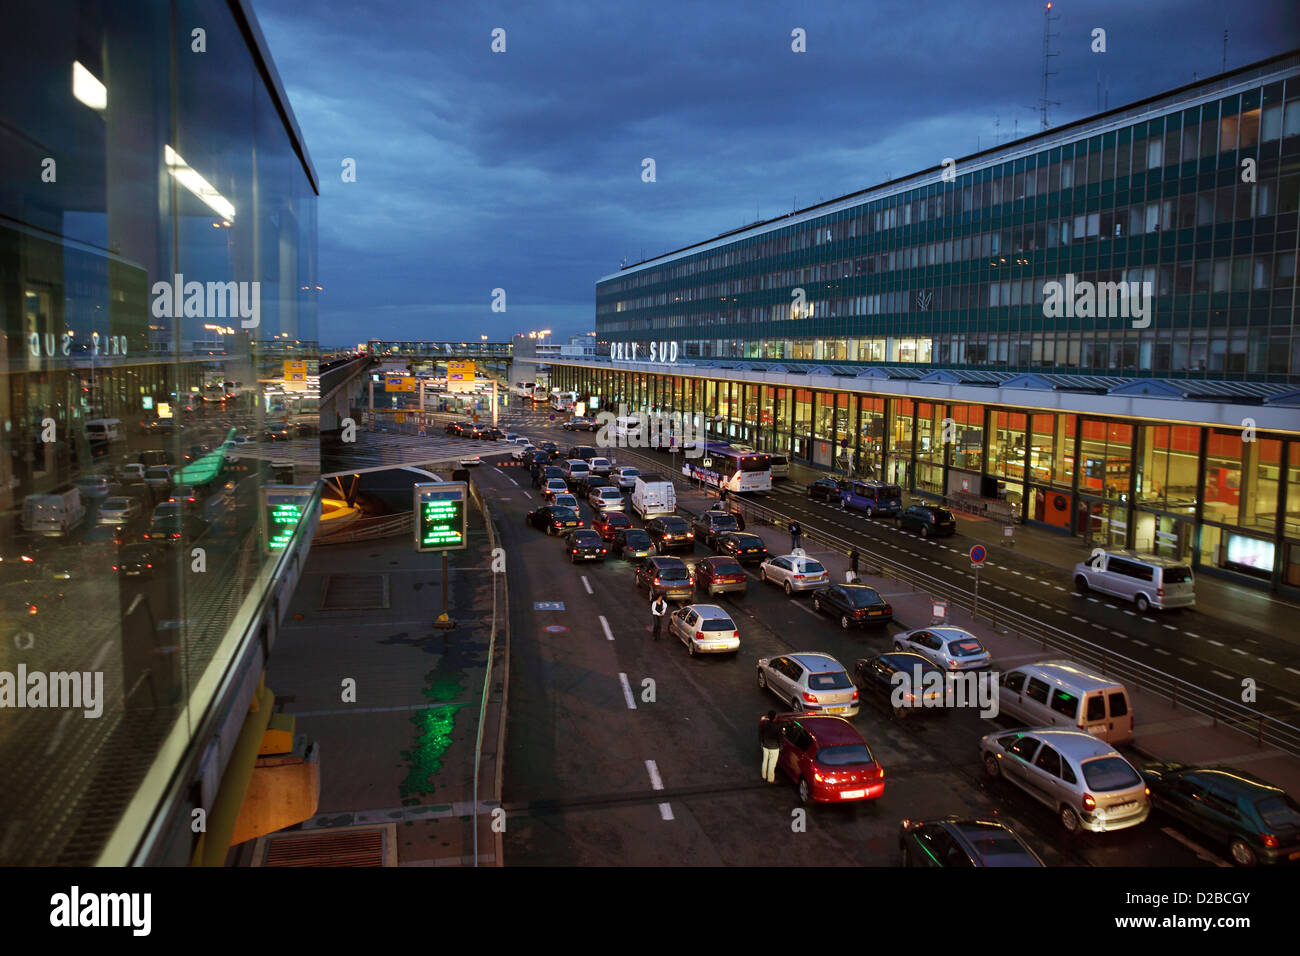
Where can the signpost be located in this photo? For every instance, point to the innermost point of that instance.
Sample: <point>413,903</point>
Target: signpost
<point>440,525</point>
<point>977,556</point>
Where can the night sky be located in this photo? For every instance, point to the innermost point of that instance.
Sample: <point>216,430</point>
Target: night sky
<point>523,170</point>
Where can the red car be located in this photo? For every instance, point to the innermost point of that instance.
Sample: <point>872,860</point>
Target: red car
<point>720,576</point>
<point>828,759</point>
<point>609,523</point>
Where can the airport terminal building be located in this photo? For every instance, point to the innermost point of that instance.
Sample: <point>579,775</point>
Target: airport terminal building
<point>1092,328</point>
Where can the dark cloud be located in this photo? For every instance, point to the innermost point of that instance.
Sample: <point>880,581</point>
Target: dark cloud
<point>522,170</point>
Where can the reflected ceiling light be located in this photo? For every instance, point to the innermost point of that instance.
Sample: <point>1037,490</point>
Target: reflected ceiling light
<point>87,88</point>
<point>191,180</point>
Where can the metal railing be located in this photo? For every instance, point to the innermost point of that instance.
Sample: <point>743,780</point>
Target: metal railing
<point>364,529</point>
<point>500,595</point>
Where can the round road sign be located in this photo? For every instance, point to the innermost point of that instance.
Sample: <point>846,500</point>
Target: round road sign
<point>556,628</point>
<point>977,554</point>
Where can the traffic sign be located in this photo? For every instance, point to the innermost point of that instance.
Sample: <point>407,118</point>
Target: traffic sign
<point>977,554</point>
<point>440,519</point>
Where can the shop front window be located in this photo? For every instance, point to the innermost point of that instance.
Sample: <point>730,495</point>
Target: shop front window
<point>968,437</point>
<point>1241,481</point>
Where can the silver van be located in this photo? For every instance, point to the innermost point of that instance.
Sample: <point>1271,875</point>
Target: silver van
<point>1088,784</point>
<point>1149,582</point>
<point>780,466</point>
<point>1062,694</point>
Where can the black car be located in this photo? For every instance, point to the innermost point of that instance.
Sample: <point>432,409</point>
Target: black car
<point>609,523</point>
<point>745,548</point>
<point>667,576</point>
<point>712,523</point>
<point>543,473</point>
<point>875,676</point>
<point>554,519</point>
<point>961,844</point>
<point>276,434</point>
<point>584,452</point>
<point>171,529</point>
<point>854,605</point>
<point>579,424</point>
<point>668,532</point>
<point>458,428</point>
<point>928,521</point>
<point>494,434</point>
<point>549,446</point>
<point>824,489</point>
<point>137,561</point>
<point>1256,821</point>
<point>585,486</point>
<point>631,543</point>
<point>585,545</point>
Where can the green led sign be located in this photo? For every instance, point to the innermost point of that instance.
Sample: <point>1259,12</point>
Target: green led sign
<point>283,509</point>
<point>440,517</point>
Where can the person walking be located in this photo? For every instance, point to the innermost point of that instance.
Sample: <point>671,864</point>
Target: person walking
<point>658,607</point>
<point>853,564</point>
<point>722,498</point>
<point>796,535</point>
<point>769,738</point>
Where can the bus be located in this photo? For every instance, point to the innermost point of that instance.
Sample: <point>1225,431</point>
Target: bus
<point>564,401</point>
<point>735,469</point>
<point>871,498</point>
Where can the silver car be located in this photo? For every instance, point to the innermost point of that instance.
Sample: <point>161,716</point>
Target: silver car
<point>119,511</point>
<point>950,647</point>
<point>809,681</point>
<point>1085,780</point>
<point>624,476</point>
<point>159,477</point>
<point>606,499</point>
<point>705,629</point>
<point>794,572</point>
<point>1146,580</point>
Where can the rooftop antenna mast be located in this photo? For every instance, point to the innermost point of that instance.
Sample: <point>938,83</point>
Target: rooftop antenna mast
<point>1048,19</point>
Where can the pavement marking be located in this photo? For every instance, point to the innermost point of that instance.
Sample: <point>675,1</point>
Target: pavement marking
<point>1195,847</point>
<point>604,626</point>
<point>1190,634</point>
<point>512,481</point>
<point>1293,670</point>
<point>1120,634</point>
<point>587,584</point>
<point>627,691</point>
<point>1140,643</point>
<point>1221,674</point>
<point>1265,660</point>
<point>656,783</point>
<point>1169,627</point>
<point>1150,620</point>
<point>1161,650</point>
<point>1131,613</point>
<point>1293,703</point>
<point>1059,588</point>
<point>1238,650</point>
<point>999,587</point>
<point>1188,660</point>
<point>528,496</point>
<point>1075,617</point>
<point>805,608</point>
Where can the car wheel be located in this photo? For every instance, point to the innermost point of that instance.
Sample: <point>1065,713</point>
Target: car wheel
<point>1243,854</point>
<point>817,603</point>
<point>762,575</point>
<point>843,506</point>
<point>991,768</point>
<point>1069,820</point>
<point>869,512</point>
<point>1143,605</point>
<point>690,647</point>
<point>762,680</point>
<point>796,705</point>
<point>1081,583</point>
<point>925,531</point>
<point>805,794</point>
<point>845,622</point>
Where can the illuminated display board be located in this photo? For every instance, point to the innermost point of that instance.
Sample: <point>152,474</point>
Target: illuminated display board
<point>283,507</point>
<point>440,515</point>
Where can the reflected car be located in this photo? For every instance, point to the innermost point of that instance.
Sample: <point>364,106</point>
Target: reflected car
<point>720,575</point>
<point>119,511</point>
<point>1256,821</point>
<point>828,759</point>
<point>794,572</point>
<point>918,687</point>
<point>631,543</point>
<point>809,681</point>
<point>186,496</point>
<point>855,605</point>
<point>705,629</point>
<point>94,487</point>
<point>950,647</point>
<point>171,527</point>
<point>158,477</point>
<point>927,521</point>
<point>137,561</point>
<point>553,519</point>
<point>585,545</point>
<point>609,523</point>
<point>959,843</point>
<point>744,547</point>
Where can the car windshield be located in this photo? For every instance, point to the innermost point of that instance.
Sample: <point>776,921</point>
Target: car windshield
<point>609,494</point>
<point>1177,575</point>
<point>636,538</point>
<point>673,574</point>
<point>629,472</point>
<point>564,514</point>
<point>844,755</point>
<point>156,473</point>
<point>830,680</point>
<point>724,521</point>
<point>116,504</point>
<point>1279,813</point>
<point>718,624</point>
<point>747,540</point>
<point>863,598</point>
<point>1109,773</point>
<point>586,538</point>
<point>996,847</point>
<point>941,514</point>
<point>965,648</point>
<point>674,525</point>
<point>727,567</point>
<point>812,567</point>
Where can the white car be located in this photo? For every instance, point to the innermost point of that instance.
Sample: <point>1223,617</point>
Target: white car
<point>470,460</point>
<point>950,647</point>
<point>809,681</point>
<point>606,499</point>
<point>624,476</point>
<point>705,629</point>
<point>521,450</point>
<point>794,572</point>
<point>513,437</point>
<point>565,500</point>
<point>132,471</point>
<point>119,511</point>
<point>554,486</point>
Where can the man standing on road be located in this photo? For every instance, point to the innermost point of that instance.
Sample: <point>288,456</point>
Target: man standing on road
<point>769,738</point>
<point>853,564</point>
<point>796,535</point>
<point>722,499</point>
<point>658,607</point>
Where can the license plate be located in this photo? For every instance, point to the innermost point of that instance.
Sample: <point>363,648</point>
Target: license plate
<point>852,794</point>
<point>1096,731</point>
<point>874,613</point>
<point>834,710</point>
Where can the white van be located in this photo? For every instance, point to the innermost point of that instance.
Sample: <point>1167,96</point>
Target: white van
<point>1149,582</point>
<point>780,466</point>
<point>652,495</point>
<point>1062,694</point>
<point>55,513</point>
<point>103,429</point>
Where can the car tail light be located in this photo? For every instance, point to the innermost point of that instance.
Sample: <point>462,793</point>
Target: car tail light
<point>855,695</point>
<point>176,534</point>
<point>860,612</point>
<point>736,635</point>
<point>880,772</point>
<point>602,550</point>
<point>149,566</point>
<point>1160,592</point>
<point>656,580</point>
<point>115,567</point>
<point>817,775</point>
<point>1088,802</point>
<point>690,534</point>
<point>32,609</point>
<point>1146,791</point>
<point>1269,840</point>
<point>810,698</point>
<point>575,550</point>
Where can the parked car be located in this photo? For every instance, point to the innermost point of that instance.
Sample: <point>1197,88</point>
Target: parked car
<point>1256,821</point>
<point>669,532</point>
<point>625,477</point>
<point>705,629</point>
<point>1063,694</point>
<point>1146,580</point>
<point>720,575</point>
<point>901,696</point>
<point>665,576</point>
<point>119,511</point>
<point>745,548</point>
<point>855,605</point>
<point>950,647</point>
<point>959,843</point>
<point>631,543</point>
<point>828,759</point>
<point>794,572</point>
<point>1083,779</point>
<point>824,489</point>
<point>585,545</point>
<point>553,519</point>
<point>809,681</point>
<point>712,523</point>
<point>927,521</point>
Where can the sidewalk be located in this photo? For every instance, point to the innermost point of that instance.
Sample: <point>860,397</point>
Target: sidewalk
<point>1162,732</point>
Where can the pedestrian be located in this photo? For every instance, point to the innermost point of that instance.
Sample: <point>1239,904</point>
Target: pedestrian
<point>853,563</point>
<point>796,535</point>
<point>658,607</point>
<point>769,738</point>
<point>722,497</point>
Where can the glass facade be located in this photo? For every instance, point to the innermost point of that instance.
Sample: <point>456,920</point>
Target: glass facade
<point>157,296</point>
<point>1197,200</point>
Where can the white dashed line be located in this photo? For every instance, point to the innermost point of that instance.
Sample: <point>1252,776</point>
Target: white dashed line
<point>1059,588</point>
<point>1293,671</point>
<point>1221,674</point>
<point>604,626</point>
<point>1188,661</point>
<point>1265,660</point>
<point>804,608</point>
<point>627,691</point>
<point>1238,650</point>
<point>1120,634</point>
<point>1140,643</point>
<point>1161,650</point>
<point>656,783</point>
<point>1289,701</point>
<point>587,584</point>
<point>1075,617</point>
<point>1169,627</point>
<point>511,480</point>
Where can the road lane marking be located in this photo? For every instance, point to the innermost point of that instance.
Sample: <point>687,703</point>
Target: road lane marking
<point>1188,660</point>
<point>1293,703</point>
<point>1140,643</point>
<point>656,783</point>
<point>528,496</point>
<point>1265,660</point>
<point>1196,848</point>
<point>1161,650</point>
<point>604,626</point>
<point>627,691</point>
<point>512,481</point>
<point>1293,670</point>
<point>804,608</point>
<point>587,584</point>
<point>1221,674</point>
<point>1238,650</point>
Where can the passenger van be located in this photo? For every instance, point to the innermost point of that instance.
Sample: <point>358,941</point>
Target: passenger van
<point>1061,694</point>
<point>1149,582</point>
<point>103,429</point>
<point>780,466</point>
